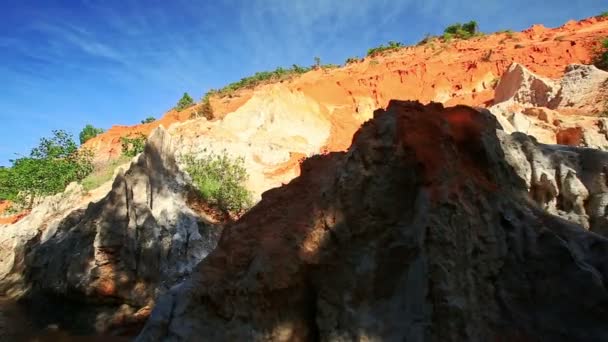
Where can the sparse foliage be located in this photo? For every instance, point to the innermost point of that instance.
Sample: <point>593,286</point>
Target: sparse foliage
<point>147,120</point>
<point>317,62</point>
<point>132,146</point>
<point>351,60</point>
<point>102,174</point>
<point>185,102</point>
<point>220,180</point>
<point>391,46</point>
<point>89,132</point>
<point>278,74</point>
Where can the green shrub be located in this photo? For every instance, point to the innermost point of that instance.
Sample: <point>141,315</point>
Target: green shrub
<point>185,102</point>
<point>603,15</point>
<point>601,58</point>
<point>102,174</point>
<point>329,66</point>
<point>133,146</point>
<point>461,31</point>
<point>220,181</point>
<point>147,120</point>
<point>391,46</point>
<point>351,60</point>
<point>89,132</point>
<point>48,169</point>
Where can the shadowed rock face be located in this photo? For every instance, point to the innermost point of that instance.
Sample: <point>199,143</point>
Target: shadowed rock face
<point>421,231</point>
<point>126,249</point>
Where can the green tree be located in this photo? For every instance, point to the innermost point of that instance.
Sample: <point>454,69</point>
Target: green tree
<point>317,62</point>
<point>185,102</point>
<point>49,168</point>
<point>89,132</point>
<point>149,119</point>
<point>462,31</point>
<point>220,181</point>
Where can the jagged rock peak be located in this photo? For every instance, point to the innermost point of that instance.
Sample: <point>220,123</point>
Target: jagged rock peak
<point>420,232</point>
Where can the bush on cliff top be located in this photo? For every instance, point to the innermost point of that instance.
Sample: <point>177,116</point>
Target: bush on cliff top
<point>390,46</point>
<point>89,132</point>
<point>278,74</point>
<point>220,180</point>
<point>461,31</point>
<point>185,102</point>
<point>48,169</point>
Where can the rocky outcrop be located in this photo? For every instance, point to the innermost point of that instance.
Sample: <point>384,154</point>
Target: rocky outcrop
<point>518,84</point>
<point>124,250</point>
<point>581,89</point>
<point>566,181</point>
<point>421,232</point>
<point>561,111</point>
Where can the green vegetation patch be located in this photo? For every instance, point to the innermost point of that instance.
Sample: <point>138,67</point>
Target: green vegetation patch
<point>89,132</point>
<point>49,168</point>
<point>461,31</point>
<point>378,50</point>
<point>149,119</point>
<point>132,146</point>
<point>185,102</point>
<point>220,180</point>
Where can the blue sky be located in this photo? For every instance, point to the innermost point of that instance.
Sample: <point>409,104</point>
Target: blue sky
<point>64,64</point>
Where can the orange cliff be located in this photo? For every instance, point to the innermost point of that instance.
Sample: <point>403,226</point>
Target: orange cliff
<point>457,72</point>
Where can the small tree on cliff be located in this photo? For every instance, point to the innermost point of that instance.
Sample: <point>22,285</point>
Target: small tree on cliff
<point>89,132</point>
<point>185,102</point>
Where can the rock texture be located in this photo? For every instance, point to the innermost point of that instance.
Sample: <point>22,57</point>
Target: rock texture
<point>582,89</point>
<point>564,111</point>
<point>126,249</point>
<point>565,181</point>
<point>420,232</point>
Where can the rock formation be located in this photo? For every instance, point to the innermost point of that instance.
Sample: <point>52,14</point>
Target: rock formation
<point>565,111</point>
<point>566,181</point>
<point>122,251</point>
<point>421,232</point>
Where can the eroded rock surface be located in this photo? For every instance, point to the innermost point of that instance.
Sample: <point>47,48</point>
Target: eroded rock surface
<point>124,250</point>
<point>566,181</point>
<point>565,111</point>
<point>420,232</point>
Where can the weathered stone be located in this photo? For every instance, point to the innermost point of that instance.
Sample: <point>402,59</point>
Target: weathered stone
<point>131,246</point>
<point>520,85</point>
<point>400,239</point>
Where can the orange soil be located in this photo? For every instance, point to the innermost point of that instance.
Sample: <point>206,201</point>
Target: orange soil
<point>4,205</point>
<point>459,72</point>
